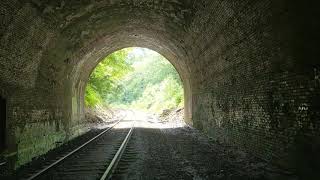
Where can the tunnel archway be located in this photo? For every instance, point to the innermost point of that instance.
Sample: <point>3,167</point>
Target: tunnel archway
<point>63,53</point>
<point>135,61</point>
<point>185,83</point>
<point>72,67</point>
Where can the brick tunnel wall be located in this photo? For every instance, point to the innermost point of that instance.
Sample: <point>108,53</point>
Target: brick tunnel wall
<point>249,67</point>
<point>261,87</point>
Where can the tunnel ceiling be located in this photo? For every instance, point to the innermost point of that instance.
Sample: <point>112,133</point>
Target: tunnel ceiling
<point>65,33</point>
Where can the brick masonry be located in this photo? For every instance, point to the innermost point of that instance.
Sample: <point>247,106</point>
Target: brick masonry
<point>250,69</point>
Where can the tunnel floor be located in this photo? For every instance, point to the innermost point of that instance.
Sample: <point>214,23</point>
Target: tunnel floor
<point>159,150</point>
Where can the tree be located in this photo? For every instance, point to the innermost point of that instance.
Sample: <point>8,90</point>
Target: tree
<point>135,78</point>
<point>104,79</point>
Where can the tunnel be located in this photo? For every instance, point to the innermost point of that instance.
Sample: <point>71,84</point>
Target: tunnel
<point>250,69</point>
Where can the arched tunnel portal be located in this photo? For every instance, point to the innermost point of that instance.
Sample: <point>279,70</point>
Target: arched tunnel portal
<point>249,68</point>
<point>83,72</point>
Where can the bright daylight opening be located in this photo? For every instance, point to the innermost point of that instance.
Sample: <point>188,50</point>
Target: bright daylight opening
<point>135,83</point>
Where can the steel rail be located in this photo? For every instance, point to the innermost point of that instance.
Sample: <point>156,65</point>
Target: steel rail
<point>72,152</point>
<point>112,166</point>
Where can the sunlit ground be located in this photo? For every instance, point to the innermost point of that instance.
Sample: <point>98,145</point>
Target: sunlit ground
<point>145,120</point>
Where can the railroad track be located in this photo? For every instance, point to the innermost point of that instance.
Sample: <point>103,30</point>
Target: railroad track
<point>95,159</point>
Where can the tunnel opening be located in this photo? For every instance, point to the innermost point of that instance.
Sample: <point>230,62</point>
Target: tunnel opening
<point>3,119</point>
<point>135,79</point>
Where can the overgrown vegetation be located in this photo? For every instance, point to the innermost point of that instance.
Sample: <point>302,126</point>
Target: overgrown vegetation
<point>135,78</point>
<point>104,80</point>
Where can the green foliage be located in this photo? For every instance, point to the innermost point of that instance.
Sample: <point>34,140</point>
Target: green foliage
<point>151,70</point>
<point>135,78</point>
<point>104,79</point>
<point>92,97</point>
<point>167,94</point>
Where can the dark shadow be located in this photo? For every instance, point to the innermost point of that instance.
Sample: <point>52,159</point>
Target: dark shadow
<point>306,156</point>
<point>3,120</point>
